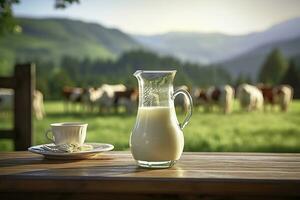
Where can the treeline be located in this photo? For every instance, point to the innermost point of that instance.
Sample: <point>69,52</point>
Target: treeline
<point>85,73</point>
<point>51,77</point>
<point>279,70</point>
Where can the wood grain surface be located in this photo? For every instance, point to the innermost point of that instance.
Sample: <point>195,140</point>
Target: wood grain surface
<point>259,175</point>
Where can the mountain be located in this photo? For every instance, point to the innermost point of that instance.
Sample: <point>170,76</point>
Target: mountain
<point>195,47</point>
<point>53,38</point>
<point>250,62</point>
<point>215,47</point>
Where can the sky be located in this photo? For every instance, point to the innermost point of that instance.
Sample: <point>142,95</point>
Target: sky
<point>148,17</point>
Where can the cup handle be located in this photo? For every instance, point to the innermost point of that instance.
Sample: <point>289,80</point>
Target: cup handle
<point>47,135</point>
<point>187,95</point>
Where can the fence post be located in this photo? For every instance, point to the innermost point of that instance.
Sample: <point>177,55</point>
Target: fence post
<point>24,88</point>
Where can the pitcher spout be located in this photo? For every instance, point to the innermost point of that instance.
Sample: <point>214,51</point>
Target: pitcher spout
<point>137,73</point>
<point>152,75</point>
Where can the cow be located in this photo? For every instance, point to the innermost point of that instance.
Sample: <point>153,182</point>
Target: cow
<point>127,98</point>
<point>38,104</point>
<point>103,97</point>
<point>250,97</point>
<point>107,100</point>
<point>7,99</point>
<point>90,98</point>
<point>283,95</point>
<point>221,96</point>
<point>280,95</point>
<point>200,98</point>
<point>72,96</point>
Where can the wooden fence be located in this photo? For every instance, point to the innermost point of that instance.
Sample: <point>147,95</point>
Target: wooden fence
<point>23,84</point>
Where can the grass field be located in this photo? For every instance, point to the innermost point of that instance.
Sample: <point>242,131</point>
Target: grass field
<point>248,132</point>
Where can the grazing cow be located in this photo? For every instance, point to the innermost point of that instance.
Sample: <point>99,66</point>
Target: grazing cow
<point>104,96</point>
<point>72,95</point>
<point>38,104</point>
<point>200,98</point>
<point>283,96</point>
<point>268,95</point>
<point>221,96</point>
<point>90,97</point>
<point>111,89</point>
<point>127,98</point>
<point>250,97</point>
<point>280,95</point>
<point>7,99</point>
<point>107,100</point>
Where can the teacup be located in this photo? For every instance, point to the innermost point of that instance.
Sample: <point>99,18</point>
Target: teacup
<point>67,133</point>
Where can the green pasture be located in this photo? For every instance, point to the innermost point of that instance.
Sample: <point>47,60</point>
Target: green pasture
<point>270,131</point>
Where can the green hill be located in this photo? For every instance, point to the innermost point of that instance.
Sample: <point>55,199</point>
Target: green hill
<point>50,39</point>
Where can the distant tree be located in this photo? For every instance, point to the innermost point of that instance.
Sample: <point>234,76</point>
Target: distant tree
<point>249,79</point>
<point>58,80</point>
<point>64,3</point>
<point>292,78</point>
<point>44,70</point>
<point>71,71</point>
<point>242,78</point>
<point>273,68</point>
<point>8,23</point>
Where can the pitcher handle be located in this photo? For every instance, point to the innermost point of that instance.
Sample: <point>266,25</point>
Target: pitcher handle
<point>187,95</point>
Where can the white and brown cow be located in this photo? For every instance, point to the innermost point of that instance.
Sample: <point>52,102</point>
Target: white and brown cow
<point>72,96</point>
<point>90,98</point>
<point>105,97</point>
<point>221,96</point>
<point>281,95</point>
<point>107,100</point>
<point>127,99</point>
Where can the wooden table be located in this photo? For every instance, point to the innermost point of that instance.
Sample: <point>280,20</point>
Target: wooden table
<point>114,175</point>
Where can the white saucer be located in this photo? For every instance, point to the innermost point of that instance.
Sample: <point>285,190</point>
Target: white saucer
<point>97,148</point>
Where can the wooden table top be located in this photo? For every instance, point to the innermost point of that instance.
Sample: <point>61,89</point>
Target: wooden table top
<point>195,173</point>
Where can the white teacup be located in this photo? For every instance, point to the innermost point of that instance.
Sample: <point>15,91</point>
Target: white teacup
<point>67,133</point>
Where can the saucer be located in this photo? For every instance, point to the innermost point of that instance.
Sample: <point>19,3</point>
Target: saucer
<point>97,148</point>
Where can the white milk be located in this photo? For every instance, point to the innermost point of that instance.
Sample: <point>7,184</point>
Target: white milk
<point>156,135</point>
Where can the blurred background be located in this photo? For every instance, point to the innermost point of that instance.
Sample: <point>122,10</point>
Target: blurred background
<point>85,48</point>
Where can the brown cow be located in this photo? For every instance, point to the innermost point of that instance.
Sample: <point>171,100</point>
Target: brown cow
<point>268,95</point>
<point>71,95</point>
<point>279,95</point>
<point>200,98</point>
<point>127,98</point>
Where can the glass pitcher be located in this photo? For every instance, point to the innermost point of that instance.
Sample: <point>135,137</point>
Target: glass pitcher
<point>157,139</point>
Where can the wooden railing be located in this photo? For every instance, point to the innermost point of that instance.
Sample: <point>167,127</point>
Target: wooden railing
<point>23,84</point>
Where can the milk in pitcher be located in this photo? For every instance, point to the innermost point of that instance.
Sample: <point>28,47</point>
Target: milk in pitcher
<point>156,135</point>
